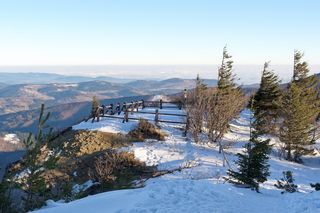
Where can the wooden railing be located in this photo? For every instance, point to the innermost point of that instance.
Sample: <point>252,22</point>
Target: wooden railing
<point>116,109</point>
<point>111,110</point>
<point>160,104</point>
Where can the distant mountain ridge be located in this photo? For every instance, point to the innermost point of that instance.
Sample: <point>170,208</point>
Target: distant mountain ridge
<point>22,97</point>
<point>48,78</point>
<point>62,115</point>
<point>70,102</point>
<point>51,78</point>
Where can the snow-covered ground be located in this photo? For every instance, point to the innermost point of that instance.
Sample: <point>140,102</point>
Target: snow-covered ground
<point>11,138</point>
<point>200,188</point>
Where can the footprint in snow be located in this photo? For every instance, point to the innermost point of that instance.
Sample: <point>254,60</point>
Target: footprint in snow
<point>171,191</point>
<point>151,195</point>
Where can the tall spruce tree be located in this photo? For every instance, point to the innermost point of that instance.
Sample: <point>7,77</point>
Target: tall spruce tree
<point>300,68</point>
<point>253,165</point>
<point>226,77</point>
<point>200,86</point>
<point>308,84</point>
<point>226,82</point>
<point>226,102</point>
<point>300,111</point>
<point>267,102</point>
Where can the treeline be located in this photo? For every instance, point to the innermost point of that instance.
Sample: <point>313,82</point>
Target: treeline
<point>210,110</point>
<point>289,112</point>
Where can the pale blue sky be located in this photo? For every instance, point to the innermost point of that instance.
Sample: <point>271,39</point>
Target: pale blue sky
<point>93,32</point>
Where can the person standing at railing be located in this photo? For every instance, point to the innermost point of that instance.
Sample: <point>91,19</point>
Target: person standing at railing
<point>118,109</point>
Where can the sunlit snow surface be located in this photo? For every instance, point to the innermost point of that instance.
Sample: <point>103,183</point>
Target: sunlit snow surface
<point>11,138</point>
<point>200,188</point>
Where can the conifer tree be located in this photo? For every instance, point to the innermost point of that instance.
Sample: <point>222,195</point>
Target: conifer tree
<point>308,84</point>
<point>5,202</point>
<point>267,102</point>
<point>200,86</point>
<point>300,111</point>
<point>225,102</point>
<point>34,185</point>
<point>287,183</point>
<point>253,165</point>
<point>226,77</point>
<point>300,68</point>
<point>297,128</point>
<point>316,186</point>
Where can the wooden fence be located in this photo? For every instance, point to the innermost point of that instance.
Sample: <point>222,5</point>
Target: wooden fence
<point>161,104</point>
<point>111,111</point>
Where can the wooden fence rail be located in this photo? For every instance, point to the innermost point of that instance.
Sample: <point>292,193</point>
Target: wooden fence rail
<point>133,107</point>
<point>137,119</point>
<point>116,109</point>
<point>161,113</point>
<point>159,104</point>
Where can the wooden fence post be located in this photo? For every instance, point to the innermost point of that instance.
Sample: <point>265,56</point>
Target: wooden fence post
<point>156,117</point>
<point>103,109</point>
<point>126,116</point>
<point>137,105</point>
<point>131,106</point>
<point>124,107</point>
<point>98,113</point>
<point>161,103</point>
<point>118,109</point>
<point>187,126</point>
<point>185,95</point>
<point>111,109</point>
<point>95,114</point>
<point>142,104</point>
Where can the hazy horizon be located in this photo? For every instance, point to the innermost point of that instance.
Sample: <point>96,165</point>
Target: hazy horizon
<point>248,74</point>
<point>157,39</point>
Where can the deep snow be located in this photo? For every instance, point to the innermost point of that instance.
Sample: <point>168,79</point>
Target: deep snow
<point>200,188</point>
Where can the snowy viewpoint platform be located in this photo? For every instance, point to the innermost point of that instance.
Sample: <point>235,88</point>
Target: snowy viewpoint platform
<point>124,120</point>
<point>200,186</point>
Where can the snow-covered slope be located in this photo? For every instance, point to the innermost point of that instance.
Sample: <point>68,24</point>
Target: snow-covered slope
<point>200,188</point>
<point>168,194</point>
